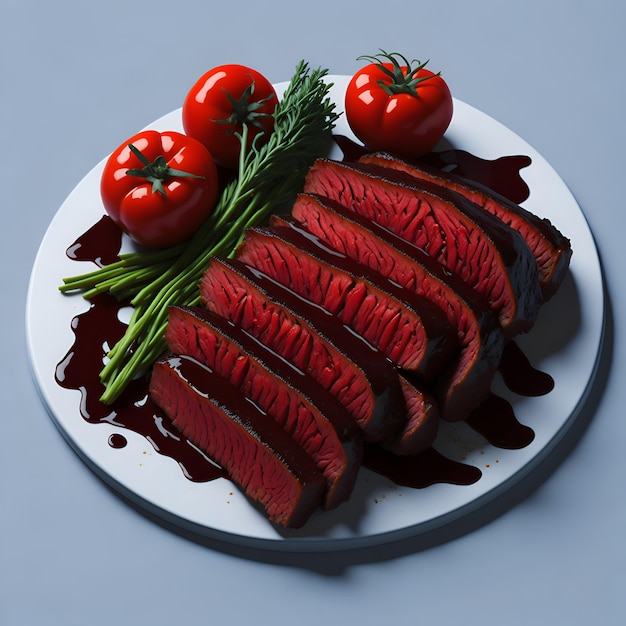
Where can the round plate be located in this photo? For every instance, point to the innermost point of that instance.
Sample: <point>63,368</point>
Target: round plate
<point>565,343</point>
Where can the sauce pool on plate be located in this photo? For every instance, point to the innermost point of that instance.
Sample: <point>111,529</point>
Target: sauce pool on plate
<point>98,328</point>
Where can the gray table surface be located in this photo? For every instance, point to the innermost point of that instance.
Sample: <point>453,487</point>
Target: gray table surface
<point>78,78</point>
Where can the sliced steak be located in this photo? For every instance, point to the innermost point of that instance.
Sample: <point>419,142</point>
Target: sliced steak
<point>258,455</point>
<point>552,251</point>
<point>408,328</point>
<point>420,429</point>
<point>311,338</point>
<point>478,247</point>
<point>310,414</point>
<point>467,382</point>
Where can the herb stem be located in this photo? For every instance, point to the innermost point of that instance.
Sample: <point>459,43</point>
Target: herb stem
<point>269,178</point>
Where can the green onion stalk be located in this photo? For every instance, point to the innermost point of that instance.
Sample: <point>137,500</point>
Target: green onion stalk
<point>269,178</point>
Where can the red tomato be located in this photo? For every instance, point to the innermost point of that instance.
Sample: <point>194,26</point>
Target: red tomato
<point>398,108</point>
<point>221,102</point>
<point>159,187</point>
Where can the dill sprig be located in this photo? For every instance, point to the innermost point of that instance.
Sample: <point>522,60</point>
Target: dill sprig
<point>269,178</point>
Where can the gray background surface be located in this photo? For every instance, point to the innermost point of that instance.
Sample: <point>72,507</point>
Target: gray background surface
<point>76,79</point>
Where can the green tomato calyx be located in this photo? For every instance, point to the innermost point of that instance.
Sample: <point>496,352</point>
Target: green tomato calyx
<point>403,74</point>
<point>156,172</point>
<point>246,111</point>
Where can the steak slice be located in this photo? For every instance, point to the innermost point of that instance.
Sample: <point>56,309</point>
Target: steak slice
<point>307,411</point>
<point>409,329</point>
<point>466,383</point>
<point>258,455</point>
<point>420,429</point>
<point>552,251</point>
<point>311,338</point>
<point>478,247</point>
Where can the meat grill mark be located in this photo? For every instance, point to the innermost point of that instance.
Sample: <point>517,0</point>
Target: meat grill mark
<point>360,376</point>
<point>258,455</point>
<point>411,397</point>
<point>551,250</point>
<point>485,253</point>
<point>467,382</point>
<point>307,411</point>
<point>409,329</point>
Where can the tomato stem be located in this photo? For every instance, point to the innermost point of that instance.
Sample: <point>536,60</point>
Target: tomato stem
<point>403,77</point>
<point>156,172</point>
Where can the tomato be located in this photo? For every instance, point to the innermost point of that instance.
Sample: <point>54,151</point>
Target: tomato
<point>159,187</point>
<point>221,102</point>
<point>398,108</point>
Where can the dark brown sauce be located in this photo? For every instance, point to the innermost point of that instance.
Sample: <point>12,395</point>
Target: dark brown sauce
<point>495,420</point>
<point>501,175</point>
<point>117,441</point>
<point>421,471</point>
<point>351,151</point>
<point>100,244</point>
<point>99,328</point>
<point>520,376</point>
<point>94,331</point>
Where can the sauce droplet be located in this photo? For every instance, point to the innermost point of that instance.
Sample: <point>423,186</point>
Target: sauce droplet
<point>117,441</point>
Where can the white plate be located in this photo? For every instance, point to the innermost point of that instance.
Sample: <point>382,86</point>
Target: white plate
<point>378,511</point>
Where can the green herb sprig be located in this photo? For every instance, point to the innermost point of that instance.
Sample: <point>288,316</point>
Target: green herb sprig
<point>269,178</point>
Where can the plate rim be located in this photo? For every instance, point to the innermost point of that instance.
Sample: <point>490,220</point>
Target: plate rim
<point>307,543</point>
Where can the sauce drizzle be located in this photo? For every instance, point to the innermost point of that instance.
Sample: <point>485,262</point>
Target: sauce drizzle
<point>520,376</point>
<point>100,327</point>
<point>89,246</point>
<point>495,420</point>
<point>94,331</point>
